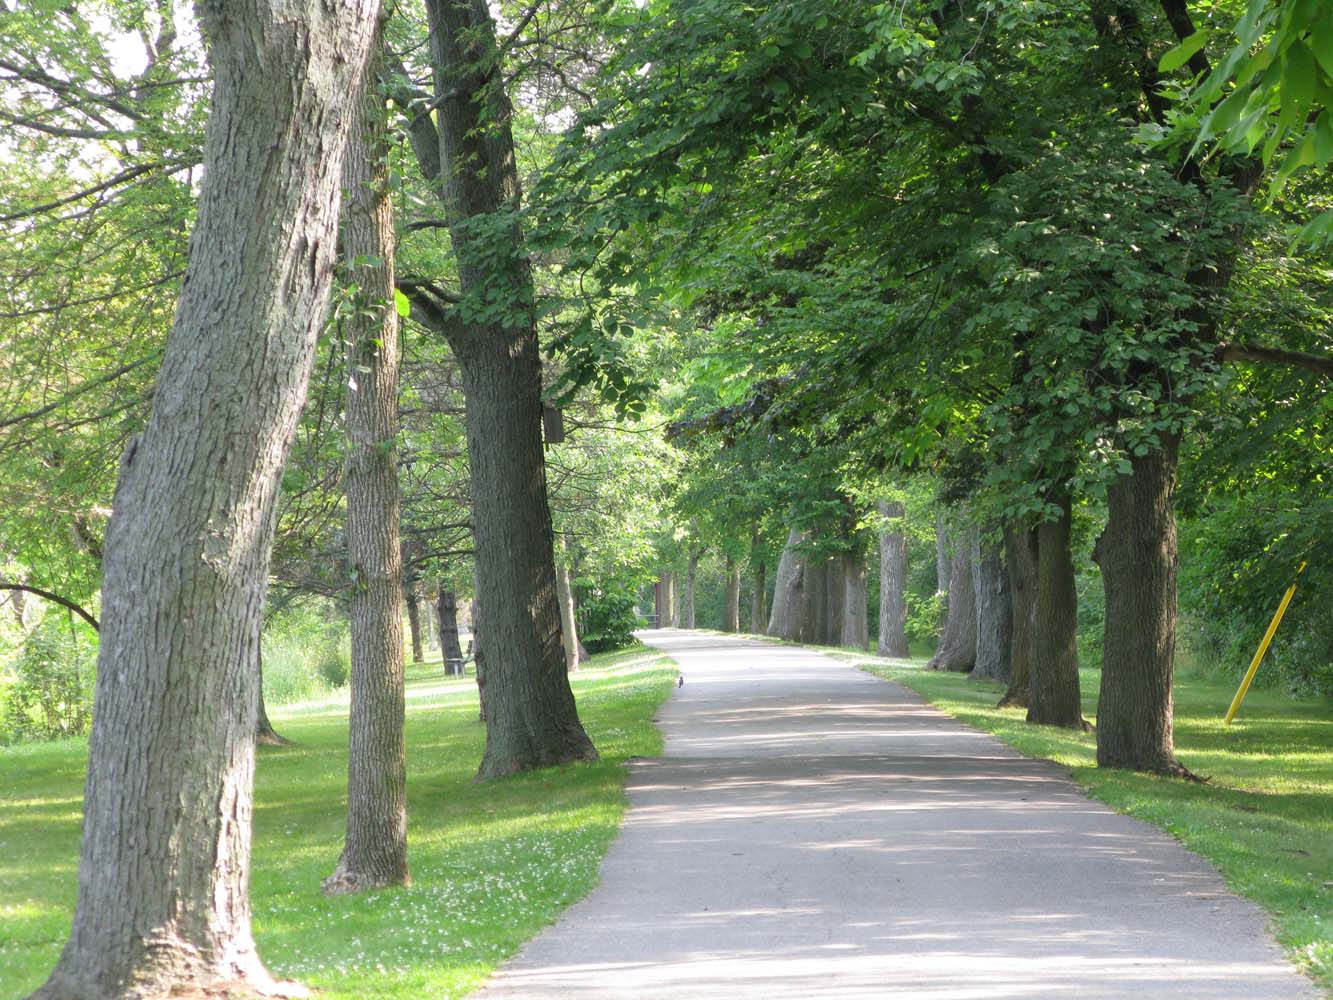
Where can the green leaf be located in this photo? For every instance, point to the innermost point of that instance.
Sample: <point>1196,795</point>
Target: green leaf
<point>401,304</point>
<point>1183,53</point>
<point>1322,39</point>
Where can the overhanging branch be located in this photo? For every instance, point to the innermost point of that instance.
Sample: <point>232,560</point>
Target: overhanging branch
<point>1320,364</point>
<point>64,602</point>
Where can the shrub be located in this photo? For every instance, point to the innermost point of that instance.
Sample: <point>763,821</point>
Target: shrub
<point>335,664</point>
<point>925,617</point>
<point>52,694</point>
<point>606,618</point>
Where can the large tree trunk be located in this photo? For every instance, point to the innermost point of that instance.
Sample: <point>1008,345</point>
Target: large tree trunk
<point>957,650</point>
<point>667,616</point>
<point>994,615</point>
<point>1020,556</point>
<point>531,717</point>
<point>375,849</point>
<point>943,556</point>
<point>1054,690</point>
<point>731,613</point>
<point>892,580</point>
<point>569,634</point>
<point>1137,556</point>
<point>789,591</point>
<point>835,590</point>
<point>691,574</point>
<point>814,627</point>
<point>855,617</point>
<point>446,613</point>
<point>413,601</point>
<point>758,615</point>
<point>163,904</point>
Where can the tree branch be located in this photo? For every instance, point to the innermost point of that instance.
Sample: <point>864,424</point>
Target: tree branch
<point>73,394</point>
<point>1178,16</point>
<point>1320,364</point>
<point>64,602</point>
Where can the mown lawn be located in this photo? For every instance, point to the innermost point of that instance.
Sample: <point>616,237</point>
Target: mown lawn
<point>491,863</point>
<point>1264,818</point>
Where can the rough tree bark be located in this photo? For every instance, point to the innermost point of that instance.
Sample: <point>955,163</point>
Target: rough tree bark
<point>163,904</point>
<point>731,612</point>
<point>446,614</point>
<point>1020,556</point>
<point>531,717</point>
<point>892,580</point>
<point>855,616</point>
<point>687,605</point>
<point>1137,556</point>
<point>957,650</point>
<point>788,591</point>
<point>994,615</point>
<point>1054,690</point>
<point>674,600</point>
<point>375,848</point>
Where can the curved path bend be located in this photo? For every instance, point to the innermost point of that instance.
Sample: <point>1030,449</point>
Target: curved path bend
<point>813,832</point>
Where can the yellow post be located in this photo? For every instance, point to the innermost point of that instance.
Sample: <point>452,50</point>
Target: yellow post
<point>1263,648</point>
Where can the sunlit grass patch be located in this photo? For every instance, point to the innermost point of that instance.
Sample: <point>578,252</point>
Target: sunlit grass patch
<point>492,863</point>
<point>1265,817</point>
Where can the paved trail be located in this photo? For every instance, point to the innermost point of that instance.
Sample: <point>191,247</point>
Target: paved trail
<point>814,833</point>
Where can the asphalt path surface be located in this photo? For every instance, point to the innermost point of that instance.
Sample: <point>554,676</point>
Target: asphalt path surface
<point>813,832</point>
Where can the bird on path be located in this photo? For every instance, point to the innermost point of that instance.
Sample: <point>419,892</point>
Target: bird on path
<point>680,680</point>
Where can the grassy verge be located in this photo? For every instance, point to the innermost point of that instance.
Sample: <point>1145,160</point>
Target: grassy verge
<point>491,863</point>
<point>1265,818</point>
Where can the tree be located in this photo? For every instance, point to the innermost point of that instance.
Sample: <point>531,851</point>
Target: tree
<point>531,718</point>
<point>187,549</point>
<point>375,849</point>
<point>892,580</point>
<point>957,650</point>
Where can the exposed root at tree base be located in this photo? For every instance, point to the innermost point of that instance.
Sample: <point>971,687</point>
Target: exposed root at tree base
<point>345,882</point>
<point>240,990</point>
<point>1176,769</point>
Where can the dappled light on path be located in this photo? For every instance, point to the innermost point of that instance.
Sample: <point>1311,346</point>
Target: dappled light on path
<point>813,832</point>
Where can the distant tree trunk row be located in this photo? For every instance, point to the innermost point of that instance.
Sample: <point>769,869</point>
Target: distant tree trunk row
<point>1012,616</point>
<point>819,600</point>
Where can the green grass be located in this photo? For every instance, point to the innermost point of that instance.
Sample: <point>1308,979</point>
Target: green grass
<point>491,863</point>
<point>1265,817</point>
